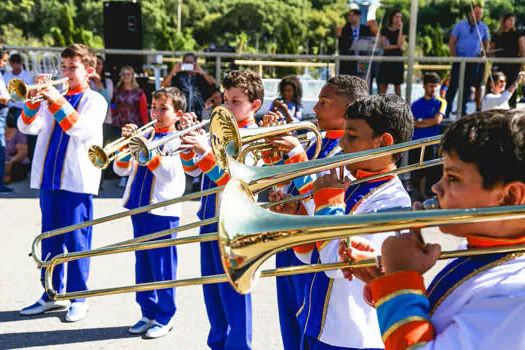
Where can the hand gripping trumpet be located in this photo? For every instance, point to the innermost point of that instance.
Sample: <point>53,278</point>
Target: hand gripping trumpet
<point>141,148</point>
<point>118,149</point>
<point>20,91</point>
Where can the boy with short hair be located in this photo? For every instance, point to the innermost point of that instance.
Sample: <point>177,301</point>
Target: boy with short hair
<point>474,302</point>
<point>66,127</point>
<point>428,113</point>
<point>333,315</point>
<point>229,312</point>
<point>160,179</point>
<point>338,93</point>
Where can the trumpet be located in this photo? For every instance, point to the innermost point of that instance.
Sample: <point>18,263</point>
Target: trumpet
<point>19,91</point>
<point>102,157</point>
<point>227,140</point>
<point>141,149</point>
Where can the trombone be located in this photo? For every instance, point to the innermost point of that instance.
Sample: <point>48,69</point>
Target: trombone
<point>257,179</point>
<point>227,140</point>
<point>249,238</point>
<point>102,157</point>
<point>118,149</point>
<point>19,91</point>
<point>141,148</point>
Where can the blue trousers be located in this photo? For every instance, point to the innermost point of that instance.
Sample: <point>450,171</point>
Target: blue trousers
<point>3,116</point>
<point>63,208</point>
<point>311,343</point>
<point>229,312</point>
<point>155,265</point>
<point>290,295</point>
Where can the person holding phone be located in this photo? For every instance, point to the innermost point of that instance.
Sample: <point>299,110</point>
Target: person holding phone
<point>196,85</point>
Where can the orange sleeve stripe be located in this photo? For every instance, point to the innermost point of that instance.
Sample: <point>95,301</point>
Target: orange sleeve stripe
<point>55,107</point>
<point>68,122</point>
<point>27,120</point>
<point>123,165</point>
<point>304,248</point>
<point>408,334</point>
<point>298,158</point>
<point>207,162</point>
<point>223,180</point>
<point>187,156</point>
<point>154,163</point>
<point>329,197</point>
<point>383,286</point>
<point>189,168</point>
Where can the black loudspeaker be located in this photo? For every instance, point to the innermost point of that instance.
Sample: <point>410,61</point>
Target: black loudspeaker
<point>123,30</point>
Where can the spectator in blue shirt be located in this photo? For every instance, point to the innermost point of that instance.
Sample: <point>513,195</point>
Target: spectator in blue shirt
<point>428,113</point>
<point>466,40</point>
<point>289,100</point>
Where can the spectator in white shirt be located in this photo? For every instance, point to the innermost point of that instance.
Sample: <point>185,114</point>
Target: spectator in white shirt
<point>499,97</point>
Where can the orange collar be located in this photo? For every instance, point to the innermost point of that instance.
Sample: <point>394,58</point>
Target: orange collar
<point>246,122</point>
<point>334,134</point>
<point>361,174</point>
<point>485,242</point>
<point>165,130</point>
<point>77,90</point>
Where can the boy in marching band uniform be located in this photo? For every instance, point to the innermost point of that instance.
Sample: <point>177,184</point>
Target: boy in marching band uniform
<point>162,178</point>
<point>333,315</point>
<point>474,302</point>
<point>66,127</point>
<point>337,94</point>
<point>229,312</point>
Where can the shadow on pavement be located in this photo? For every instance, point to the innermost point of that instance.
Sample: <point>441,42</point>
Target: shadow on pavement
<point>14,315</point>
<point>70,336</point>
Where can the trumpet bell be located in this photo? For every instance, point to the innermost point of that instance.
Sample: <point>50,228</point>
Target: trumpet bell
<point>225,138</point>
<point>18,90</point>
<point>98,156</point>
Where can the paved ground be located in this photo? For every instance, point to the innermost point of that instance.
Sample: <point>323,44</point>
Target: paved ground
<point>109,316</point>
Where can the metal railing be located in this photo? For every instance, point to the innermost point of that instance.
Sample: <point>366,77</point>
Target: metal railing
<point>335,59</point>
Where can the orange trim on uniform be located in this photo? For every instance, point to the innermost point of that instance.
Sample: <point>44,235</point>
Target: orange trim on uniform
<point>388,284</point>
<point>77,90</point>
<point>246,122</point>
<point>33,106</point>
<point>68,122</point>
<point>154,163</point>
<point>298,158</point>
<point>164,130</point>
<point>123,165</point>
<point>360,174</point>
<point>27,120</point>
<point>304,248</point>
<point>187,156</point>
<point>485,242</point>
<point>207,162</point>
<point>409,334</point>
<point>334,134</point>
<point>271,157</point>
<point>329,196</point>
<point>55,106</point>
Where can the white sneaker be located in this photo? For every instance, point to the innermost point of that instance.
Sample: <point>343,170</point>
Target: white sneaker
<point>141,326</point>
<point>42,306</point>
<point>77,311</point>
<point>158,330</point>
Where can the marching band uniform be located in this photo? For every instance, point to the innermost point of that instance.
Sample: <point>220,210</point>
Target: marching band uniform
<point>344,320</point>
<point>475,302</point>
<point>161,179</point>
<point>66,178</point>
<point>290,289</point>
<point>229,313</point>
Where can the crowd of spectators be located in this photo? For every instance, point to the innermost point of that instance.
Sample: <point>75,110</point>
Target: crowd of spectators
<point>128,103</point>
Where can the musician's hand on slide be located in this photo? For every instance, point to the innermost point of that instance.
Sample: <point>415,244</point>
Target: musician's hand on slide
<point>128,129</point>
<point>330,181</point>
<point>286,208</point>
<point>360,249</point>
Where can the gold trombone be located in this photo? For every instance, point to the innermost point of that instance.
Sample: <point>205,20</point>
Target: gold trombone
<point>20,91</point>
<point>102,157</point>
<point>249,238</point>
<point>257,179</point>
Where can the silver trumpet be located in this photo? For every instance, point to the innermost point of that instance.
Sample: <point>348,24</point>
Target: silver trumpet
<point>141,148</point>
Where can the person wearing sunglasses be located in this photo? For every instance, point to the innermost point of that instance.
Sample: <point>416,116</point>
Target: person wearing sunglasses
<point>499,97</point>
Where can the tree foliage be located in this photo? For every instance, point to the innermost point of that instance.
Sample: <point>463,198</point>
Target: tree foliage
<point>270,26</point>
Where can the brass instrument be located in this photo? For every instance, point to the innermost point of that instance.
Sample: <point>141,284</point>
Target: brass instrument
<point>140,148</point>
<point>257,179</point>
<point>250,237</point>
<point>102,157</point>
<point>227,140</point>
<point>20,91</point>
